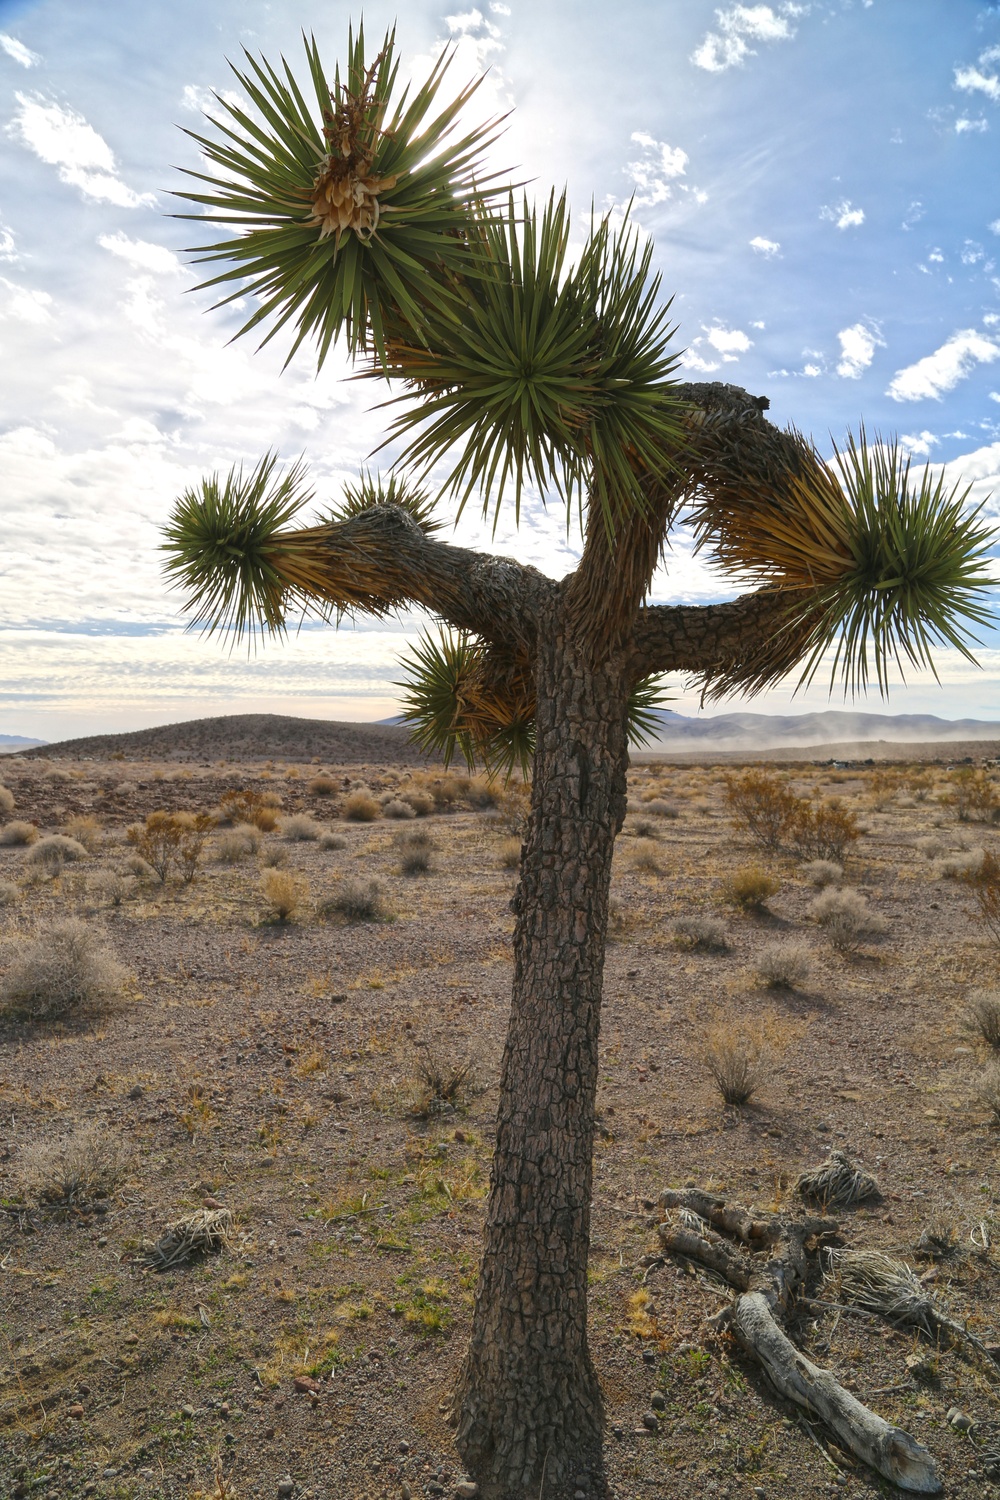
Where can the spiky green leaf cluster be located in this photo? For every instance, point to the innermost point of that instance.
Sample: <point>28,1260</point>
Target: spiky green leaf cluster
<point>367,491</point>
<point>918,578</point>
<point>454,709</point>
<point>217,542</point>
<point>545,373</point>
<point>267,164</point>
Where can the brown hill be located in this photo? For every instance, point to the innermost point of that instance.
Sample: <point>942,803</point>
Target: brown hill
<point>248,737</point>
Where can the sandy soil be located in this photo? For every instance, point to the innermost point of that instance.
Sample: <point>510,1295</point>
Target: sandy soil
<point>271,1069</point>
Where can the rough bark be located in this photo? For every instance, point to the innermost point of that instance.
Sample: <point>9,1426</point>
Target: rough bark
<point>528,1402</point>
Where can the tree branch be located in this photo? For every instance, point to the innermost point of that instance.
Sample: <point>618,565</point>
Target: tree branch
<point>381,559</point>
<point>748,643</point>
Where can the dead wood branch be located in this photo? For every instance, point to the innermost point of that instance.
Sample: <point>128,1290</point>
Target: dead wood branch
<point>767,1273</point>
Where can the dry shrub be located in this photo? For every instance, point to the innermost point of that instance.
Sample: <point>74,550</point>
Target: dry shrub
<point>438,1086</point>
<point>837,1182</point>
<point>705,933</point>
<point>53,852</point>
<point>421,802</point>
<point>644,828</point>
<point>751,888</point>
<point>510,854</point>
<point>514,808</point>
<point>988,1089</point>
<point>330,840</point>
<point>238,844</point>
<point>985,881</point>
<point>9,893</point>
<point>110,887</point>
<point>962,866</point>
<point>484,791</point>
<point>247,806</point>
<point>447,790</point>
<point>983,1016</point>
<point>414,852</point>
<point>740,1055</point>
<point>822,832</point>
<point>273,857</point>
<point>360,807</point>
<point>6,800</point>
<point>300,828</point>
<point>82,1167</point>
<point>85,829</point>
<point>761,806</point>
<point>823,872</point>
<point>847,918</point>
<point>322,785</point>
<point>18,832</point>
<point>169,839</point>
<point>65,968</point>
<point>357,901</point>
<point>397,808</point>
<point>659,808</point>
<point>285,891</point>
<point>784,966</point>
<point>882,788</point>
<point>931,846</point>
<point>646,856</point>
<point>974,796</point>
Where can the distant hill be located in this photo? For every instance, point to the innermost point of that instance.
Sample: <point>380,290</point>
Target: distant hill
<point>12,744</point>
<point>247,737</point>
<point>747,731</point>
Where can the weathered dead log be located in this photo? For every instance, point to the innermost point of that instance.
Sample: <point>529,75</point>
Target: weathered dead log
<point>714,1254</point>
<point>889,1450</point>
<point>768,1274</point>
<point>715,1211</point>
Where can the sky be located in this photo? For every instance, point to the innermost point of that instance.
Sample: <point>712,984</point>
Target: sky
<point>819,180</point>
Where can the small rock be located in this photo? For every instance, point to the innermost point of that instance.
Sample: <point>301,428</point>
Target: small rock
<point>960,1420</point>
<point>649,1357</point>
<point>102,1241</point>
<point>209,1202</point>
<point>650,1421</point>
<point>466,1489</point>
<point>305,1384</point>
<point>405,1493</point>
<point>658,1401</point>
<point>131,1338</point>
<point>618,1432</point>
<point>137,1091</point>
<point>187,1411</point>
<point>76,1410</point>
<point>296,1234</point>
<point>286,1486</point>
<point>579,1495</point>
<point>404,1446</point>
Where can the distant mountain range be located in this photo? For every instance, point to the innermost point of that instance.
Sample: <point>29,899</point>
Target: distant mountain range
<point>745,731</point>
<point>10,744</point>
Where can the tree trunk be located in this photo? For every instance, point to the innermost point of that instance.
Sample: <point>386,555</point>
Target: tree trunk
<point>528,1402</point>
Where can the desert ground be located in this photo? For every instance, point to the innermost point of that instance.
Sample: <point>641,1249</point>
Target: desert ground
<point>310,1064</point>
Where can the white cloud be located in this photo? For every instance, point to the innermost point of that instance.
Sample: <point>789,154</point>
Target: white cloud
<point>857,349</point>
<point>972,253</point>
<point>963,125</point>
<point>498,9</point>
<point>920,445</point>
<point>140,253</point>
<point>205,101</point>
<point>994,228</point>
<point>8,250</point>
<point>655,175</point>
<point>941,371</point>
<point>64,140</point>
<point>729,342</point>
<point>811,371</point>
<point>18,51</point>
<point>729,47</point>
<point>914,214</point>
<point>972,80</point>
<point>694,361</point>
<point>770,248</point>
<point>843,214</point>
<point>26,304</point>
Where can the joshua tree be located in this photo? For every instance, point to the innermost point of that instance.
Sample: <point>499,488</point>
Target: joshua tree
<point>371,223</point>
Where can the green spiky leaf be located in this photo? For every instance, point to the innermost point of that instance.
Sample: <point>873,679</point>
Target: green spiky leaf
<point>543,373</point>
<point>396,490</point>
<point>918,579</point>
<point>429,189</point>
<point>217,542</point>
